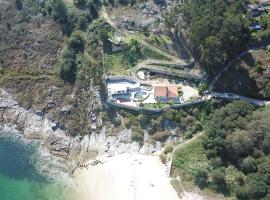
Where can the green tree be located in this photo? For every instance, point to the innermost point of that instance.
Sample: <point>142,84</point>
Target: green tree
<point>68,66</point>
<point>255,187</point>
<point>80,3</point>
<point>76,42</point>
<point>219,182</point>
<point>82,22</point>
<point>103,34</point>
<point>57,9</point>
<point>117,121</point>
<point>248,165</point>
<point>215,29</point>
<point>201,177</point>
<point>202,88</point>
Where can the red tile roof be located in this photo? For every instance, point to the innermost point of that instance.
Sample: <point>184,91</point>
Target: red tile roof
<point>160,91</point>
<point>165,91</point>
<point>172,91</point>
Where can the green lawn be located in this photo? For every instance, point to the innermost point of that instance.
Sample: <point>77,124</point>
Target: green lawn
<point>187,159</point>
<point>116,66</point>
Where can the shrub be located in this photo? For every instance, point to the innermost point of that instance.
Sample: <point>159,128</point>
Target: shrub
<point>117,121</point>
<point>76,42</point>
<point>80,3</point>
<point>162,158</point>
<point>68,63</point>
<point>219,182</point>
<point>137,134</point>
<point>168,149</point>
<point>143,119</point>
<point>82,22</point>
<point>201,177</point>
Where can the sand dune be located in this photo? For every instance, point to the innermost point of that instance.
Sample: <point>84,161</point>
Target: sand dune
<point>125,177</point>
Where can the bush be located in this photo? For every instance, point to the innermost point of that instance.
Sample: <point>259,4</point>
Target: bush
<point>170,114</point>
<point>163,158</point>
<point>168,149</point>
<point>76,42</point>
<point>82,22</point>
<point>202,88</point>
<point>219,182</point>
<point>117,121</point>
<point>80,3</point>
<point>256,189</point>
<point>137,134</point>
<point>201,177</point>
<point>241,193</point>
<point>143,119</point>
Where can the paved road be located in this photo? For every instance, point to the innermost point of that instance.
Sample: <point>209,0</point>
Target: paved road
<point>233,97</point>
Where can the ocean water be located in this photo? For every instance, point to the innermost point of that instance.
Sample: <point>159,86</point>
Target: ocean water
<point>19,179</point>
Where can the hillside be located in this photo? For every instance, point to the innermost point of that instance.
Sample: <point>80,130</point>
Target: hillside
<point>248,76</point>
<point>232,157</point>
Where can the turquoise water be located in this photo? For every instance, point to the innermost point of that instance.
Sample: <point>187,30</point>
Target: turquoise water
<point>19,180</point>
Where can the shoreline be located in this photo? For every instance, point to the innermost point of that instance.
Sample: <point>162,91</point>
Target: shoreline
<point>128,172</point>
<point>131,176</point>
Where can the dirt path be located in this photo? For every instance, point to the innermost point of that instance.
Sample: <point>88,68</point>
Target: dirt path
<point>104,14</point>
<point>181,145</point>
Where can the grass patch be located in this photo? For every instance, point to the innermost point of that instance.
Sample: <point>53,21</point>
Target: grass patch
<point>149,53</point>
<point>115,64</point>
<point>146,50</point>
<point>187,159</point>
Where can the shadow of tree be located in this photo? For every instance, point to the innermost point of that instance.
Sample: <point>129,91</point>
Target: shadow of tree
<point>238,80</point>
<point>249,59</point>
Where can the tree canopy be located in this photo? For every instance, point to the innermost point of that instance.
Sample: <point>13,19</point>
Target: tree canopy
<point>239,136</point>
<point>215,29</point>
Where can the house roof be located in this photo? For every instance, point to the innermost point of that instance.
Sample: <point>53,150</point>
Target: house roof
<point>165,91</point>
<point>160,91</point>
<point>172,91</point>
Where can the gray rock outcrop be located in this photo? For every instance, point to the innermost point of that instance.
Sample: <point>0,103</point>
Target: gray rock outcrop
<point>55,142</point>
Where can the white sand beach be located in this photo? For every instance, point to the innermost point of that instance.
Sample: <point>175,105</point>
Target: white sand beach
<point>125,177</point>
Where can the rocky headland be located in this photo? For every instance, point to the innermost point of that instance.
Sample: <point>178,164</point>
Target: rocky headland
<point>56,146</point>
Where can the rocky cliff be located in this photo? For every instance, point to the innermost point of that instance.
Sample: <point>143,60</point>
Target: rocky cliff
<point>53,141</point>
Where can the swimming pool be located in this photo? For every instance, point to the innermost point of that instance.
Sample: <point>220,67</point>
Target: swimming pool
<point>140,95</point>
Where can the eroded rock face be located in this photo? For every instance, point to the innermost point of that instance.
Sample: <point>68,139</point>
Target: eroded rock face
<point>56,142</point>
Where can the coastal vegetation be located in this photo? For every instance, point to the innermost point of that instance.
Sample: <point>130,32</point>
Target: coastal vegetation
<point>188,121</point>
<point>233,154</point>
<point>56,53</point>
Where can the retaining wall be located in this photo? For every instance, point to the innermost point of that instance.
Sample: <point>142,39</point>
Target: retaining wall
<point>155,110</point>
